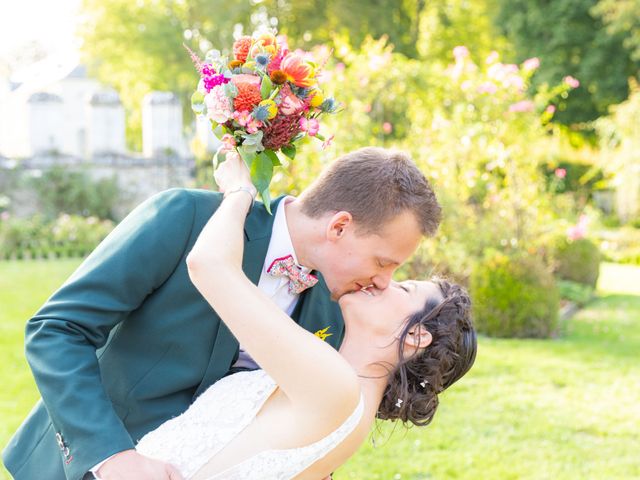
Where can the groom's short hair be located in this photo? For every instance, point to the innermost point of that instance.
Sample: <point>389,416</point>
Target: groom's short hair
<point>373,184</point>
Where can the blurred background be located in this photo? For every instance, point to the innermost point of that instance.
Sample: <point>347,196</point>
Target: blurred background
<point>525,116</point>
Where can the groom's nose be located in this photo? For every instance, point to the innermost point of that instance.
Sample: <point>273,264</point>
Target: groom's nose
<point>382,280</point>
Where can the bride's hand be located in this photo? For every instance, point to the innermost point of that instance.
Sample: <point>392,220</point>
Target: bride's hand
<point>233,174</point>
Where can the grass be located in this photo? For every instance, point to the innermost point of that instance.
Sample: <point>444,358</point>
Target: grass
<point>567,408</point>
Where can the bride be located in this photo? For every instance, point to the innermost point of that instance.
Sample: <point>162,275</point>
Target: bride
<point>310,407</point>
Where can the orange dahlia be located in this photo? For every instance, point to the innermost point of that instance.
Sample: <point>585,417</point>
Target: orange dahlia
<point>298,72</point>
<point>241,48</point>
<point>248,92</point>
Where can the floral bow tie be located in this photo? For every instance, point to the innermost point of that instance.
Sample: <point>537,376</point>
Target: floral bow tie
<point>298,280</point>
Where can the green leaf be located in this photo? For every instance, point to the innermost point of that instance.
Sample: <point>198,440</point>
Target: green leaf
<point>261,171</point>
<point>219,158</point>
<point>248,156</point>
<point>266,199</point>
<point>253,142</point>
<point>274,158</point>
<point>289,151</point>
<point>197,102</point>
<point>214,125</point>
<point>219,131</point>
<point>266,86</point>
<point>230,90</point>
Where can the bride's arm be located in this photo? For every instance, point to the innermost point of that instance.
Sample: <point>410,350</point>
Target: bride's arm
<point>309,371</point>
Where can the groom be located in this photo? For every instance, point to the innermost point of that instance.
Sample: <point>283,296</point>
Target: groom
<point>128,342</point>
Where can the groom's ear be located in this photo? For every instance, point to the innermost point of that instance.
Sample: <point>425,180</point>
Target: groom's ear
<point>338,224</point>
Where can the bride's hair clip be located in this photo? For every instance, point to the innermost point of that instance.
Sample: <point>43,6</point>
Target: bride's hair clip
<point>399,403</point>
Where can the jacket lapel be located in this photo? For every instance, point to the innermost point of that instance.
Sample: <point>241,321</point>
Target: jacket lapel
<point>257,233</point>
<point>316,312</point>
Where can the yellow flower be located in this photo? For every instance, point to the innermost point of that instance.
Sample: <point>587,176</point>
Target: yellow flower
<point>317,98</point>
<point>322,334</point>
<point>271,106</point>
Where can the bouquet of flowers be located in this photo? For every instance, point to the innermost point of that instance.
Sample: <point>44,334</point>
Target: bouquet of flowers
<point>261,101</point>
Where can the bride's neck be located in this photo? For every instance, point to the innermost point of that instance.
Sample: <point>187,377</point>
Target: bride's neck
<point>371,365</point>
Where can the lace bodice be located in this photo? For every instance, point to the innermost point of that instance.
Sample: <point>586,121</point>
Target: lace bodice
<point>217,416</point>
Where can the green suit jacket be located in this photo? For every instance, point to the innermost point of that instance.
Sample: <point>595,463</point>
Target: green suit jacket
<point>128,342</point>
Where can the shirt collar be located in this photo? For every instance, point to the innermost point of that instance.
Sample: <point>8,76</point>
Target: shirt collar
<point>280,244</point>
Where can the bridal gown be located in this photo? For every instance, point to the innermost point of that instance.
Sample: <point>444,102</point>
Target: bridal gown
<point>190,440</point>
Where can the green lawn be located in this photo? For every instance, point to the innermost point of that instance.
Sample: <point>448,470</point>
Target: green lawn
<point>530,409</point>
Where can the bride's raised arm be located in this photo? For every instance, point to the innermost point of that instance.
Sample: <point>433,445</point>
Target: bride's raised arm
<point>309,371</point>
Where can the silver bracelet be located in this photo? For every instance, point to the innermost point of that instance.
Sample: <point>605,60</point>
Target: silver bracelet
<point>241,189</point>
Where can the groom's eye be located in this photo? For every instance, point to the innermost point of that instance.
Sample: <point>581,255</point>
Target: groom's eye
<point>404,288</point>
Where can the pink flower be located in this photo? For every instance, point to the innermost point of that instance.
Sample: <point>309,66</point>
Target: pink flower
<point>245,119</point>
<point>218,105</point>
<point>253,125</point>
<point>487,87</point>
<point>311,126</point>
<point>367,108</point>
<point>560,172</point>
<point>531,64</point>
<point>579,230</point>
<point>571,81</point>
<point>289,103</point>
<point>492,57</point>
<point>460,52</point>
<point>466,85</point>
<point>327,143</point>
<point>387,127</point>
<point>550,109</point>
<point>4,216</point>
<point>228,141</point>
<point>522,106</point>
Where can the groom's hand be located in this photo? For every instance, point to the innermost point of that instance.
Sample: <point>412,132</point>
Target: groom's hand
<point>130,465</point>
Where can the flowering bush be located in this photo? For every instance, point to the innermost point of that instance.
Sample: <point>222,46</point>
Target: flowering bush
<point>262,100</point>
<point>67,235</point>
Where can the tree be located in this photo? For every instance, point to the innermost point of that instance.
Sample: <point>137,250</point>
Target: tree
<point>570,40</point>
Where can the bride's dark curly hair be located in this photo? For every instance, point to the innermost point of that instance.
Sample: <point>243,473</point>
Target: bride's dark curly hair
<point>418,379</point>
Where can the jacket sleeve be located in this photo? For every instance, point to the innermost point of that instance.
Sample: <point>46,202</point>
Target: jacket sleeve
<point>62,338</point>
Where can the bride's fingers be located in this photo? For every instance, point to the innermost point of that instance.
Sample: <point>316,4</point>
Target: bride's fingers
<point>173,472</point>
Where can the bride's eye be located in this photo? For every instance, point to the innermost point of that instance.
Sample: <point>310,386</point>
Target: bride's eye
<point>404,288</point>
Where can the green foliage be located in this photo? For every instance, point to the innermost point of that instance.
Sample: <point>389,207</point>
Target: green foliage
<point>514,296</point>
<point>63,191</point>
<point>570,40</point>
<point>621,17</point>
<point>66,236</point>
<point>578,293</point>
<point>577,260</point>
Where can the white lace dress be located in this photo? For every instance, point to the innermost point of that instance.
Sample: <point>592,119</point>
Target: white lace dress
<point>217,416</point>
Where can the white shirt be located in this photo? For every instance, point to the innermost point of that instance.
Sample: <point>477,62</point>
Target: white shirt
<point>276,288</point>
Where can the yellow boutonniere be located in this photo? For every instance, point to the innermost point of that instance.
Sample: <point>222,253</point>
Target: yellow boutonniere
<point>322,334</point>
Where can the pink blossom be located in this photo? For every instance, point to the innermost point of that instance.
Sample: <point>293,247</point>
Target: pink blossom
<point>531,64</point>
<point>550,109</point>
<point>487,87</point>
<point>218,105</point>
<point>340,67</point>
<point>387,127</point>
<point>560,172</point>
<point>466,85</point>
<point>579,230</point>
<point>327,143</point>
<point>522,106</point>
<point>4,216</point>
<point>311,126</point>
<point>245,119</point>
<point>460,52</point>
<point>367,108</point>
<point>253,125</point>
<point>289,103</point>
<point>571,81</point>
<point>492,57</point>
<point>228,141</point>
